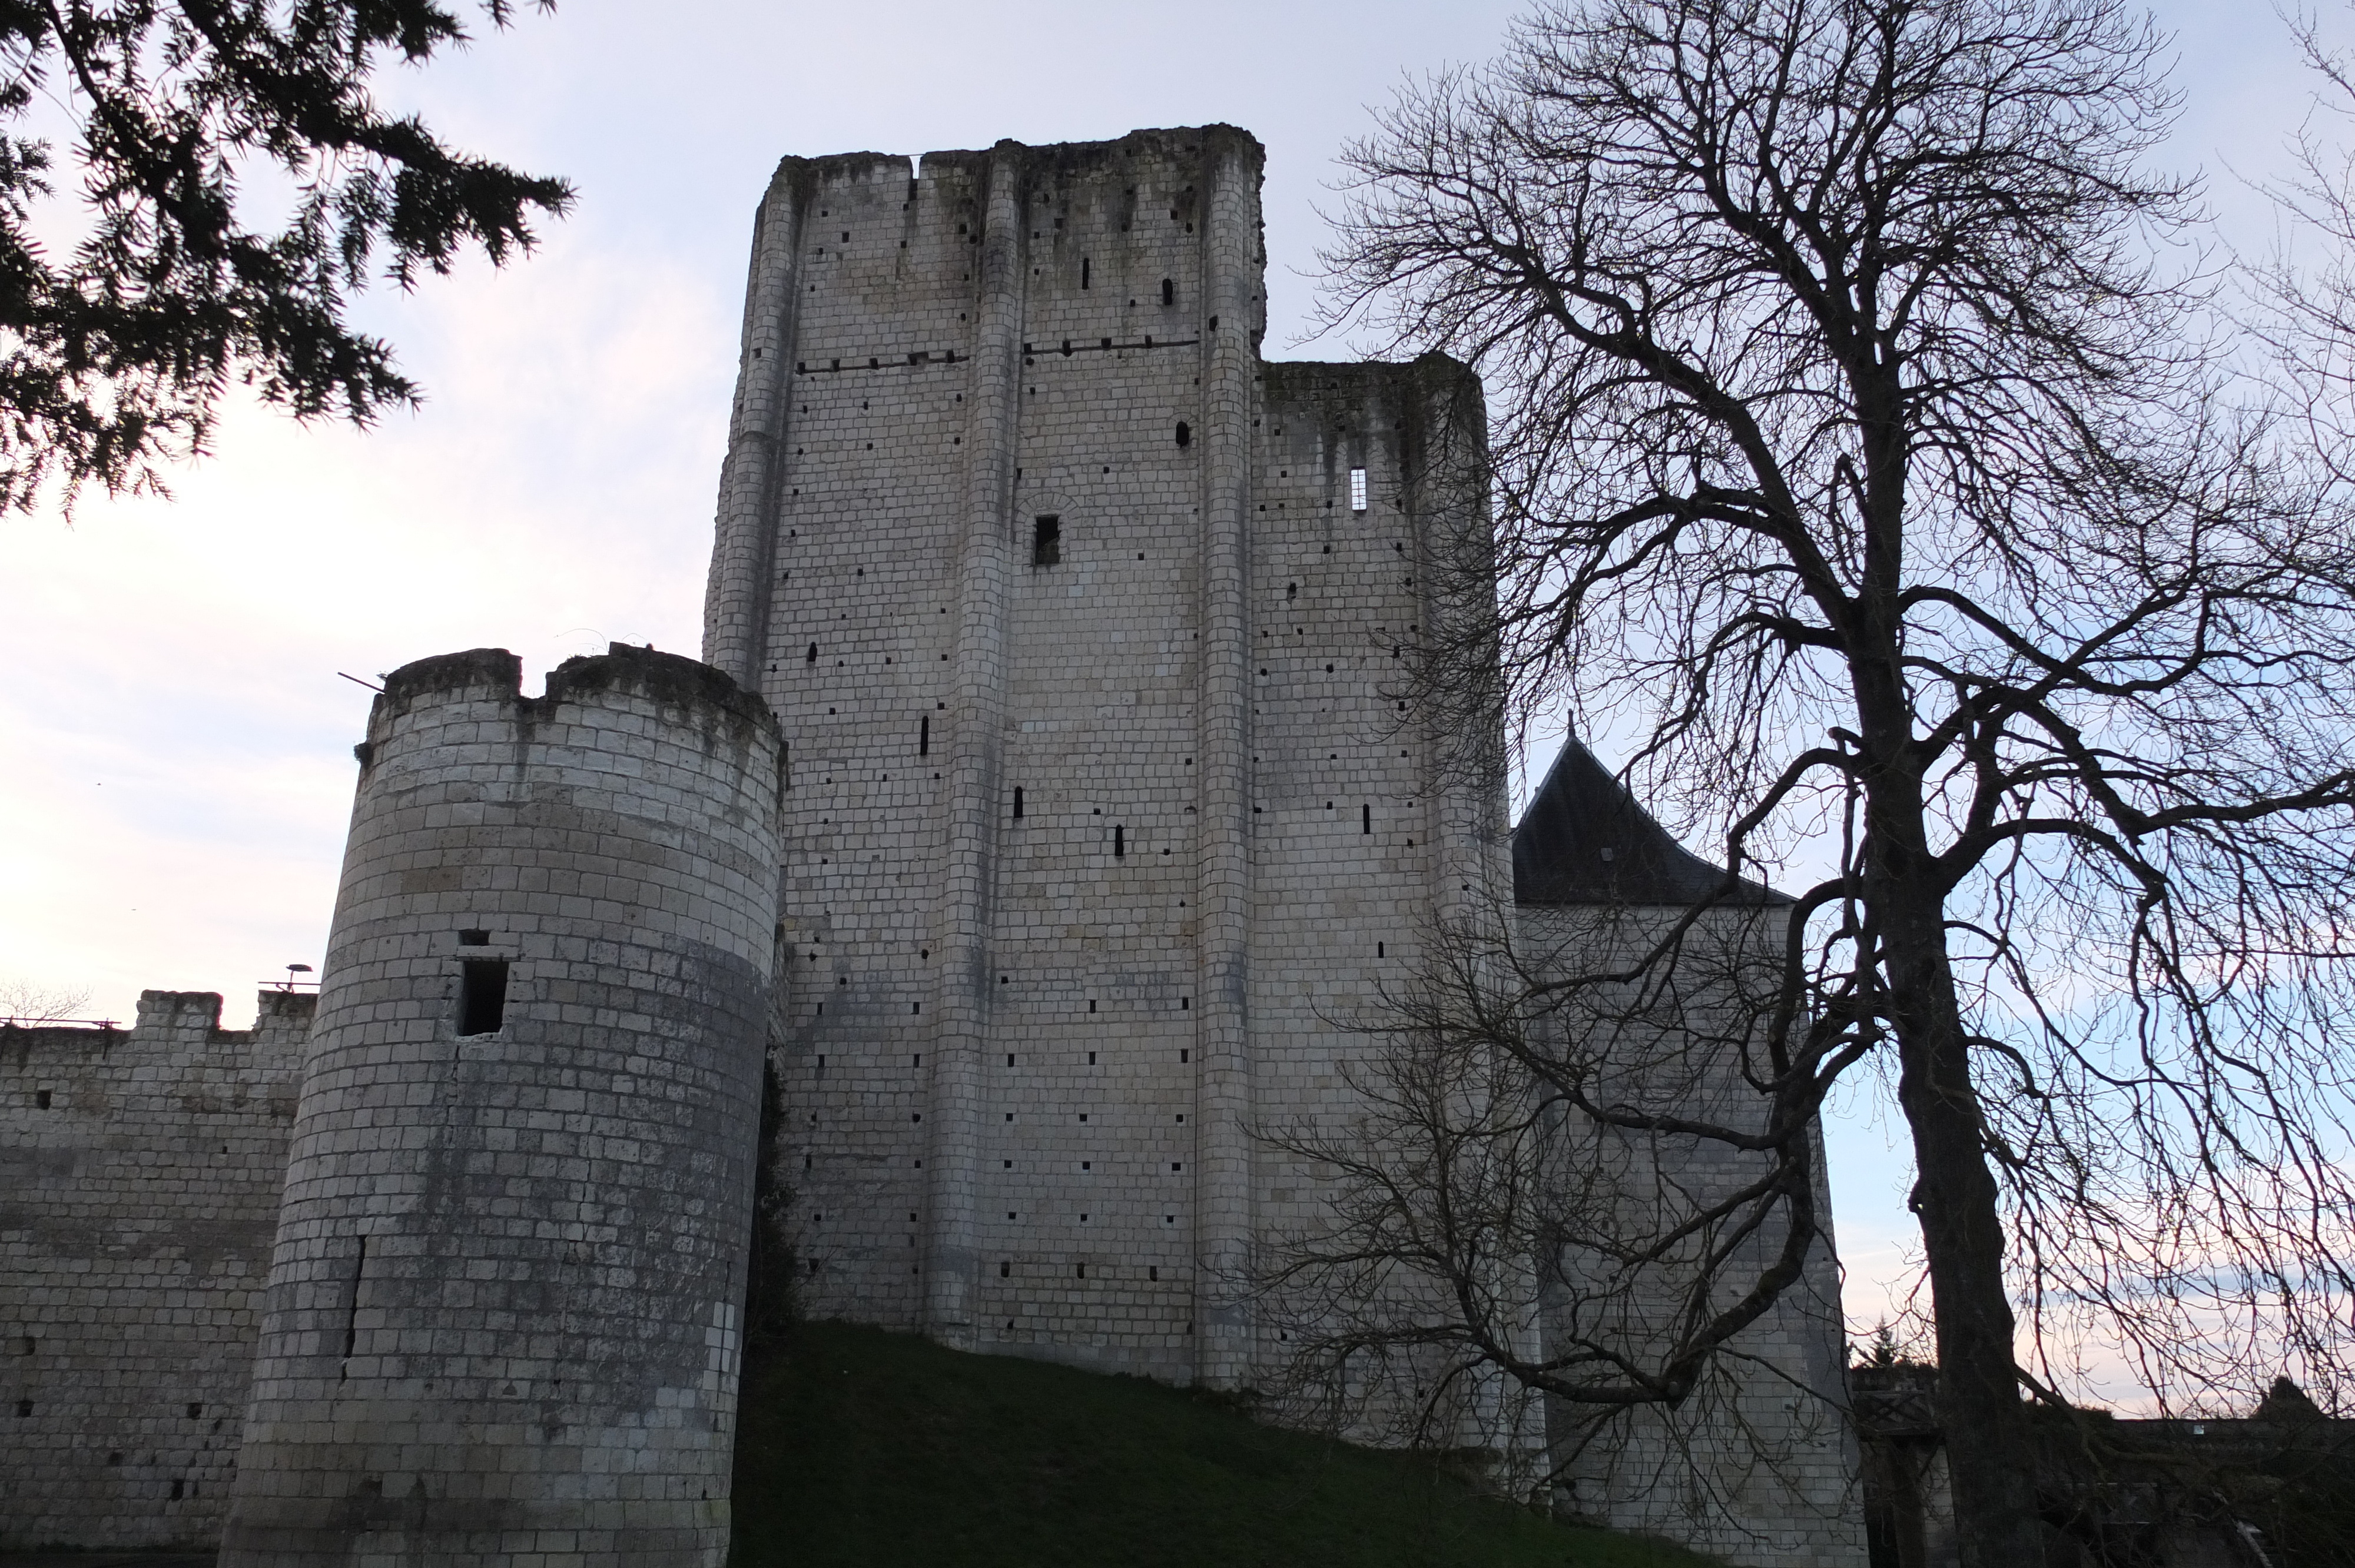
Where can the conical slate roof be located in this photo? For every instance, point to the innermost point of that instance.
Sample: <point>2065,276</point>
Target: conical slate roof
<point>1585,840</point>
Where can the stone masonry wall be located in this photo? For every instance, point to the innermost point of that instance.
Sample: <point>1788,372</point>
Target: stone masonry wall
<point>139,1172</point>
<point>502,1319</point>
<point>1102,800</point>
<point>1759,1466</point>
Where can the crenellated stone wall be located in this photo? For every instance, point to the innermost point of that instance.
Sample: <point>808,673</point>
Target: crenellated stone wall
<point>140,1172</point>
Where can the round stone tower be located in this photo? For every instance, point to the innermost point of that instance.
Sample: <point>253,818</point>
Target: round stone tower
<point>503,1311</point>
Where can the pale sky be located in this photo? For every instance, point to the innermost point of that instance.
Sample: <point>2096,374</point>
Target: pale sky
<point>176,766</point>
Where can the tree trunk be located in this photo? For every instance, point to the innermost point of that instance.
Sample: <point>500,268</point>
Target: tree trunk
<point>1955,1196</point>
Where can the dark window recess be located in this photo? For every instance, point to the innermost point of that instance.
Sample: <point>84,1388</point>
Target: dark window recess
<point>1381,950</point>
<point>41,1099</point>
<point>26,1346</point>
<point>1046,541</point>
<point>1365,818</point>
<point>1119,841</point>
<point>179,1489</point>
<point>1185,434</point>
<point>811,658</point>
<point>473,938</point>
<point>194,1410</point>
<point>1004,1271</point>
<point>1086,270</point>
<point>483,996</point>
<point>352,1309</point>
<point>23,1407</point>
<point>1168,291</point>
<point>1183,1055</point>
<point>1092,1062</point>
<point>1153,1274</point>
<point>1080,1269</point>
<point>1017,817</point>
<point>924,737</point>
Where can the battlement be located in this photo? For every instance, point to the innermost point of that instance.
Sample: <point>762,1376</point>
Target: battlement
<point>668,680</point>
<point>139,1179</point>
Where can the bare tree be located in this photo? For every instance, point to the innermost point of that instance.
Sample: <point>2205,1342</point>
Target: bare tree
<point>25,1003</point>
<point>1856,462</point>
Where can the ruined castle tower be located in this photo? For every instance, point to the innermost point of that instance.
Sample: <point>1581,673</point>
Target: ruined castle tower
<point>1088,630</point>
<point>501,1321</point>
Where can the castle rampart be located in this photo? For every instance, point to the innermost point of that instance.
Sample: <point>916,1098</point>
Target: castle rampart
<point>503,1308</point>
<point>139,1179</point>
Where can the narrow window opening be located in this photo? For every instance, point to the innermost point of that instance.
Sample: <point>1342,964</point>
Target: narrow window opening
<point>483,996</point>
<point>1381,950</point>
<point>1046,541</point>
<point>179,1489</point>
<point>1185,1003</point>
<point>1183,1055</point>
<point>1004,1271</point>
<point>1017,812</point>
<point>1365,818</point>
<point>1168,291</point>
<point>1086,270</point>
<point>1119,841</point>
<point>1092,1058</point>
<point>41,1099</point>
<point>924,736</point>
<point>473,938</point>
<point>1185,434</point>
<point>352,1311</point>
<point>1153,1273</point>
<point>1357,490</point>
<point>811,657</point>
<point>1080,1269</point>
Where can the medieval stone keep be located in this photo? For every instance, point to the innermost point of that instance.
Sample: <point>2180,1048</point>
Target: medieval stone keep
<point>1053,789</point>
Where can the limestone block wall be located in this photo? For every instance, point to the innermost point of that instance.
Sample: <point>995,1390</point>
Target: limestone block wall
<point>140,1172</point>
<point>1760,1466</point>
<point>502,1317</point>
<point>1101,794</point>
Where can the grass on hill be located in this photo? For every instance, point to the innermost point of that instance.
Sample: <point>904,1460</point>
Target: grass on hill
<point>866,1449</point>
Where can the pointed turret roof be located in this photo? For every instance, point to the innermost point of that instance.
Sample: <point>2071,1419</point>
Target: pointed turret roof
<point>1584,840</point>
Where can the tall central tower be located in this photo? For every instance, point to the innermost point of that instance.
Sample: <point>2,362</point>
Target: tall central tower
<point>1089,633</point>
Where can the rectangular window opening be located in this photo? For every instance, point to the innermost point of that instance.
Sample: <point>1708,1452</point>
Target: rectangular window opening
<point>1365,818</point>
<point>1119,841</point>
<point>483,996</point>
<point>1357,490</point>
<point>1017,802</point>
<point>924,736</point>
<point>1046,541</point>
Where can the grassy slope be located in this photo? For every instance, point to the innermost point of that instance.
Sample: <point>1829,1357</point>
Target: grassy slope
<point>880,1450</point>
